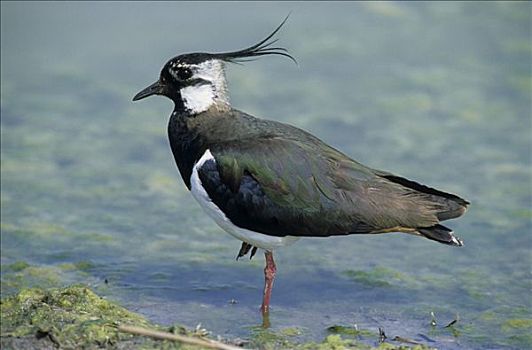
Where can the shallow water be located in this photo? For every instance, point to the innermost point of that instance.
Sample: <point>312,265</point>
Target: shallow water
<point>439,93</point>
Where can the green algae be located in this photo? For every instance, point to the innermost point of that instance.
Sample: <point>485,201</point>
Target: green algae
<point>22,275</point>
<point>80,265</point>
<point>125,187</point>
<point>336,342</point>
<point>73,317</point>
<point>525,324</point>
<point>378,277</point>
<point>265,338</point>
<point>519,332</point>
<point>268,339</point>
<point>262,338</point>
<point>291,332</point>
<point>341,339</point>
<point>17,266</point>
<point>332,342</point>
<point>42,276</point>
<point>350,331</point>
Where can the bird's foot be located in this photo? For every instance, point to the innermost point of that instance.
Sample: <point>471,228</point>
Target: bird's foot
<point>244,249</point>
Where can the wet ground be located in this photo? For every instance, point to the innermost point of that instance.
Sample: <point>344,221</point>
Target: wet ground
<point>439,93</point>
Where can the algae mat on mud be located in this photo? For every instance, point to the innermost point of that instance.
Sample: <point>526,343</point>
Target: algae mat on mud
<point>75,317</point>
<point>438,92</point>
<point>70,318</point>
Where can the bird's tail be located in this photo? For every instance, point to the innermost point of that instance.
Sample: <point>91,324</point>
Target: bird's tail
<point>442,234</point>
<point>450,206</point>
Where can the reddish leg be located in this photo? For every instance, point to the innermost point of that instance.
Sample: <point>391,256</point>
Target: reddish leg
<point>269,276</point>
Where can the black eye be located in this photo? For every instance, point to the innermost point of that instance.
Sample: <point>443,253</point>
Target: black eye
<point>184,73</point>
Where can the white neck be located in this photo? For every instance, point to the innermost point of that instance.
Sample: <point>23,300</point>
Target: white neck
<point>199,98</point>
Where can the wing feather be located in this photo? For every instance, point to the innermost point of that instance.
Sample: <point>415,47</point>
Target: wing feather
<point>303,187</point>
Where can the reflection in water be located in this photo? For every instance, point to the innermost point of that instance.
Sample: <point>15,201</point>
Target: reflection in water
<point>436,92</point>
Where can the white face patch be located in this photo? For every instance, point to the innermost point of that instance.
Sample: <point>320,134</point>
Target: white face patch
<point>199,98</point>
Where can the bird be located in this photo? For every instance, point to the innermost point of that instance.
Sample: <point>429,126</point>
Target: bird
<point>269,184</point>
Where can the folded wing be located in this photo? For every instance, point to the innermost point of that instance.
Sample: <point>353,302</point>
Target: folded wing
<point>280,187</point>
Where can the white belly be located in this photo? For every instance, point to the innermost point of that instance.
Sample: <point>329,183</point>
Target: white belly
<point>254,238</point>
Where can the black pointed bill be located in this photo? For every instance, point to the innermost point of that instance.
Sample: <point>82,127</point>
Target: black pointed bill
<point>153,89</point>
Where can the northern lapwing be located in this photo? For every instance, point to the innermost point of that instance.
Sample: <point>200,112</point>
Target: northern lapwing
<point>267,183</point>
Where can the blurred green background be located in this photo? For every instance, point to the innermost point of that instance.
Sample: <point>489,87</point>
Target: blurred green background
<point>437,92</point>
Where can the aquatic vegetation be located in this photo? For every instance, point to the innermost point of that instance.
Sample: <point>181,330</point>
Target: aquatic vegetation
<point>342,340</point>
<point>72,317</point>
<point>439,92</point>
<point>75,317</point>
<point>378,277</point>
<point>17,266</point>
<point>28,276</point>
<point>525,324</point>
<point>351,331</point>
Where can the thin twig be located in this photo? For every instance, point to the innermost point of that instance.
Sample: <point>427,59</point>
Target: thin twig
<point>453,321</point>
<point>206,343</point>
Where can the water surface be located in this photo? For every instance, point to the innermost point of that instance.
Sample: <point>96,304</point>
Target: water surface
<point>436,92</point>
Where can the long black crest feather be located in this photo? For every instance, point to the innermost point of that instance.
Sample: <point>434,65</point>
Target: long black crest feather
<point>264,47</point>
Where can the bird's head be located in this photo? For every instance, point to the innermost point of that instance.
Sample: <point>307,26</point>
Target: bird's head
<point>196,81</point>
